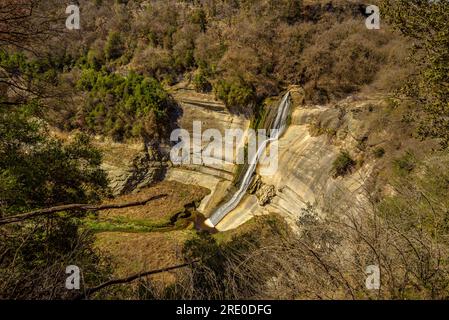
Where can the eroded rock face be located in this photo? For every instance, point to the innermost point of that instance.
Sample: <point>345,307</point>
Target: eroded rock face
<point>212,114</point>
<point>262,191</point>
<point>307,151</point>
<point>144,171</point>
<point>306,157</point>
<point>265,194</point>
<point>145,168</point>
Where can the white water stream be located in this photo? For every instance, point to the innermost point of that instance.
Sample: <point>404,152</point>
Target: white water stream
<point>277,129</point>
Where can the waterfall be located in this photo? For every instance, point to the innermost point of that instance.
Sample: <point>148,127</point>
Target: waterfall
<point>277,129</point>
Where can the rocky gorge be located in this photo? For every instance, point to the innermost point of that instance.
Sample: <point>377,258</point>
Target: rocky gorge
<point>307,151</point>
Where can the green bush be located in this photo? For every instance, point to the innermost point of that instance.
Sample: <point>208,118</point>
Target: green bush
<point>201,83</point>
<point>379,152</point>
<point>405,164</point>
<point>343,164</point>
<point>95,59</point>
<point>35,73</point>
<point>115,103</point>
<point>235,93</point>
<point>114,47</point>
<point>40,171</point>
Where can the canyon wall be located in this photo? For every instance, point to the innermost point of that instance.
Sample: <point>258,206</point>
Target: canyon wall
<point>304,176</point>
<point>213,115</point>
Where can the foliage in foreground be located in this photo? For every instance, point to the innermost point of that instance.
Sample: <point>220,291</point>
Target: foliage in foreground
<point>405,234</point>
<point>38,171</point>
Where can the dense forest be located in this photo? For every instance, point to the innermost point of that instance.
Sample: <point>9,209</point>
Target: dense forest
<point>114,78</point>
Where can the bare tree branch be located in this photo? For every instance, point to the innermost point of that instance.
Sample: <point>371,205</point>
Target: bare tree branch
<point>75,207</point>
<point>89,291</point>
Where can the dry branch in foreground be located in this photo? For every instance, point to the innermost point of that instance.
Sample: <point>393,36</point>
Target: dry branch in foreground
<point>73,207</point>
<point>89,291</point>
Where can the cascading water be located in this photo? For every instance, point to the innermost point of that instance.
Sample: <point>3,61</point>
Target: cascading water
<point>277,129</point>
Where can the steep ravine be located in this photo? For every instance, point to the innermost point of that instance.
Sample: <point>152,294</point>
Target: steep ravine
<point>305,158</point>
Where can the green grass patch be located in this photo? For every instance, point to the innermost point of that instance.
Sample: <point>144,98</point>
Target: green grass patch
<point>123,224</point>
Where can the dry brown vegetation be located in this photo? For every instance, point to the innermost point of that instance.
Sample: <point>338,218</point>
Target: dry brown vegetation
<point>247,50</point>
<point>405,235</point>
<point>136,252</point>
<point>178,196</point>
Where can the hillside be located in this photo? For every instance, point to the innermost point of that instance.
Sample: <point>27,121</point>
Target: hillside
<point>91,120</point>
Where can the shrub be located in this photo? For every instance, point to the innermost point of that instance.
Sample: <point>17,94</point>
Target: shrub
<point>115,103</point>
<point>235,94</point>
<point>379,152</point>
<point>199,18</point>
<point>425,24</point>
<point>95,59</point>
<point>405,164</point>
<point>154,62</point>
<point>201,83</point>
<point>114,47</point>
<point>343,164</point>
<point>40,171</point>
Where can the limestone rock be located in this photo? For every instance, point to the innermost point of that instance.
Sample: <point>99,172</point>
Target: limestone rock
<point>262,191</point>
<point>265,194</point>
<point>212,114</point>
<point>146,168</point>
<point>304,169</point>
